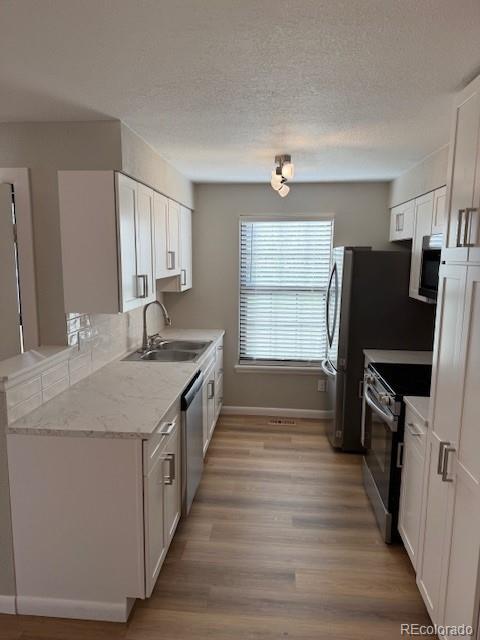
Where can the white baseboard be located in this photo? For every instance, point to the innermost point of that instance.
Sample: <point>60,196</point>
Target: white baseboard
<point>75,609</point>
<point>7,604</point>
<point>314,414</point>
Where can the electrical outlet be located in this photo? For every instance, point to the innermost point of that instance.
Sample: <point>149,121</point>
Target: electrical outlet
<point>322,385</point>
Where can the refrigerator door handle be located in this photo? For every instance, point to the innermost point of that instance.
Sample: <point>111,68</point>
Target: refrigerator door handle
<point>333,274</point>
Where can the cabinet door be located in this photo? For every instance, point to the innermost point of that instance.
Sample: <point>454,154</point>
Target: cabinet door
<point>461,578</point>
<point>439,210</point>
<point>463,176</point>
<point>155,547</point>
<point>411,492</point>
<point>173,243</point>
<point>160,235</point>
<point>127,222</point>
<point>144,234</point>
<point>434,531</point>
<point>423,227</point>
<point>212,405</point>
<point>185,249</point>
<point>446,388</point>
<point>207,390</point>
<point>402,221</point>
<point>172,470</point>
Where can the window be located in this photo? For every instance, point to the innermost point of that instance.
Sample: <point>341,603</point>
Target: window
<point>284,271</point>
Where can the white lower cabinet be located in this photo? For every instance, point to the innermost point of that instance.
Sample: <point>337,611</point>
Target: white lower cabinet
<point>412,481</point>
<point>212,393</point>
<point>448,569</point>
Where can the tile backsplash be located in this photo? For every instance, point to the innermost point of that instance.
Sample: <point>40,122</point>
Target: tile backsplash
<point>101,338</point>
<point>97,339</point>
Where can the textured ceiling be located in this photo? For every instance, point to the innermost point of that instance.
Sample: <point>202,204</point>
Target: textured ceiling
<point>353,89</point>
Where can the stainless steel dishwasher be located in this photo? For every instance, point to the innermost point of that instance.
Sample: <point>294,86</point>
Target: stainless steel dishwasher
<point>192,441</point>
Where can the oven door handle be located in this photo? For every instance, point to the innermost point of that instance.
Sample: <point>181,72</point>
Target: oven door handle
<point>389,419</point>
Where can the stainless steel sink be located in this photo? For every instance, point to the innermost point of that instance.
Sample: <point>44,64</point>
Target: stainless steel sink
<point>171,351</point>
<point>182,345</point>
<point>169,356</point>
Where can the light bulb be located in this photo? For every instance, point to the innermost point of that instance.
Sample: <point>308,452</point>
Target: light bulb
<point>276,180</point>
<point>284,190</point>
<point>288,170</point>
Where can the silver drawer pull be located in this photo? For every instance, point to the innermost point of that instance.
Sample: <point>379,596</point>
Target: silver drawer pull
<point>166,428</point>
<point>171,260</point>
<point>441,460</point>
<point>211,390</point>
<point>144,279</point>
<point>170,458</point>
<point>411,430</point>
<point>447,452</point>
<point>184,277</point>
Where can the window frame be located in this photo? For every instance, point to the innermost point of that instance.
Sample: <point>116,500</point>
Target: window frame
<point>275,366</point>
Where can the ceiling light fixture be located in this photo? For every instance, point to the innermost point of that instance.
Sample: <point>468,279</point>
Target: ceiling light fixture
<point>283,172</point>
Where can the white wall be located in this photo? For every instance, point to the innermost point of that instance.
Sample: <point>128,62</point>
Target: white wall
<point>360,219</point>
<point>427,175</point>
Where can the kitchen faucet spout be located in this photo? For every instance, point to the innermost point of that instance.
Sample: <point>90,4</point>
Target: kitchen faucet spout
<point>166,316</point>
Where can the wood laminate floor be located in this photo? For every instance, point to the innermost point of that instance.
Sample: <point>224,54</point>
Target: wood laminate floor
<point>280,543</point>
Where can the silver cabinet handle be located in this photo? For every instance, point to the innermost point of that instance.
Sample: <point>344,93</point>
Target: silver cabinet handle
<point>466,233</point>
<point>166,428</point>
<point>411,431</point>
<point>171,261</point>
<point>459,227</point>
<point>447,451</point>
<point>170,458</point>
<point>144,279</point>
<point>441,460</point>
<point>400,455</point>
<point>400,217</point>
<point>184,276</point>
<point>211,389</point>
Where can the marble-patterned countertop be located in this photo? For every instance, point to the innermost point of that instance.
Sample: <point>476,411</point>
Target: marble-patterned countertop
<point>420,405</point>
<point>123,399</point>
<point>398,356</point>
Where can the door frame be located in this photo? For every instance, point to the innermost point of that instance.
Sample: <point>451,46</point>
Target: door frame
<point>20,179</point>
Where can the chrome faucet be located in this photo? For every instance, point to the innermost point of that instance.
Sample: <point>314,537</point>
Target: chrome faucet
<point>168,321</point>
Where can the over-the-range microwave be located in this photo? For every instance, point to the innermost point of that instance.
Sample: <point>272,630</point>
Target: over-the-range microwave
<point>431,254</point>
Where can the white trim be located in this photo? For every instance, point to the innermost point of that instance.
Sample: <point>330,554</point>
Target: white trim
<point>20,178</point>
<point>7,604</point>
<point>314,414</point>
<point>285,369</point>
<point>75,609</point>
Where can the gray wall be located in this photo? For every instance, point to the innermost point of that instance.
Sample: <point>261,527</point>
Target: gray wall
<point>46,147</point>
<point>427,175</point>
<point>7,578</point>
<point>360,219</point>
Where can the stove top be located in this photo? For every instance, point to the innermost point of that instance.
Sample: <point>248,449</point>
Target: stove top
<point>405,379</point>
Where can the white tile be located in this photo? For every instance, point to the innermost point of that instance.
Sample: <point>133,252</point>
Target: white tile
<point>21,409</point>
<point>21,392</point>
<point>54,374</point>
<point>54,389</point>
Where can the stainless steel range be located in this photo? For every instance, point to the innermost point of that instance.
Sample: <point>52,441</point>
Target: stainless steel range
<point>385,385</point>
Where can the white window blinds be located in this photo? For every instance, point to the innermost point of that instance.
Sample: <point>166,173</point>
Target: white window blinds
<point>284,270</point>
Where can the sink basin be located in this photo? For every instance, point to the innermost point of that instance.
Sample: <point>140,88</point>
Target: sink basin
<point>182,345</point>
<point>172,351</point>
<point>169,356</point>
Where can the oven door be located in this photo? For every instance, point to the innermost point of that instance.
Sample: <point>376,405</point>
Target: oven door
<point>380,471</point>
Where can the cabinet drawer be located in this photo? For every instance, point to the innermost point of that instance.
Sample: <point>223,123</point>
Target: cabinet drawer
<point>415,430</point>
<point>154,447</point>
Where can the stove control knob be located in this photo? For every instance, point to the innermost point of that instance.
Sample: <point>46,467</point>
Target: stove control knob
<point>369,379</point>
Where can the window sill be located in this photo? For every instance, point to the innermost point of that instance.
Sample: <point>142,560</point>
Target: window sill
<point>279,368</point>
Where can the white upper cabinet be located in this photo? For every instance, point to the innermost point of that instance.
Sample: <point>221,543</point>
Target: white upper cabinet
<point>185,249</point>
<point>422,228</point>
<point>439,220</point>
<point>402,221</point>
<point>134,211</point>
<point>118,237</point>
<point>463,194</point>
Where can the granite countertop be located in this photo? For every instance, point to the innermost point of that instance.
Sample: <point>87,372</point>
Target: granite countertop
<point>122,399</point>
<point>399,356</point>
<point>420,405</point>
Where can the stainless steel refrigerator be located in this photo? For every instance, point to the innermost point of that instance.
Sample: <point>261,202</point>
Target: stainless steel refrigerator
<point>368,307</point>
